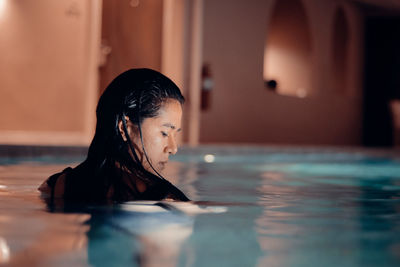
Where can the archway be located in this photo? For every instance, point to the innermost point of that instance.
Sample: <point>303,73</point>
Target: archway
<point>288,51</point>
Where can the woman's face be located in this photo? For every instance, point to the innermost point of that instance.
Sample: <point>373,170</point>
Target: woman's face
<point>159,135</point>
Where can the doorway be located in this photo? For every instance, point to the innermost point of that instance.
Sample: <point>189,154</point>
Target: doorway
<point>381,78</point>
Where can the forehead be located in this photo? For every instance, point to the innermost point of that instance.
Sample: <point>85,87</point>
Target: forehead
<point>170,108</point>
<point>169,115</point>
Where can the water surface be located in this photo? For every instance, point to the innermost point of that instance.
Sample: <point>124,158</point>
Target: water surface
<point>284,207</point>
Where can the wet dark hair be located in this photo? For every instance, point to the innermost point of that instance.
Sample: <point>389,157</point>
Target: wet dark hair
<point>137,94</point>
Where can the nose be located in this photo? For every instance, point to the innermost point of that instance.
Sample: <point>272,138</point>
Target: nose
<point>172,147</point>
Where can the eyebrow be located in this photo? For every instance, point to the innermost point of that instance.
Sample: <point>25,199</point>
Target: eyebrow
<point>169,125</point>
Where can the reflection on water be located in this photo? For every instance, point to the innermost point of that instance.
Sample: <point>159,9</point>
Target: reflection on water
<point>31,235</point>
<point>131,234</point>
<point>320,217</point>
<point>82,235</point>
<point>226,239</point>
<point>305,220</point>
<point>136,233</point>
<point>379,208</point>
<point>125,237</point>
<point>280,210</point>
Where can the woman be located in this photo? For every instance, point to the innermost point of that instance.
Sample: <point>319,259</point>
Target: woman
<point>138,118</point>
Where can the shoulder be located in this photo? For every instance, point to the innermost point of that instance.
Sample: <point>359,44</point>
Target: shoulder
<point>54,186</point>
<point>161,189</point>
<point>174,193</point>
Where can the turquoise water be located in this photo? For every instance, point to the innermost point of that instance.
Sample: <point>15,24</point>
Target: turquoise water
<point>254,206</point>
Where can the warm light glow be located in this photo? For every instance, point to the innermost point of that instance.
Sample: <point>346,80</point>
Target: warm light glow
<point>3,186</point>
<point>4,248</point>
<point>301,92</point>
<point>134,3</point>
<point>2,6</point>
<point>209,158</point>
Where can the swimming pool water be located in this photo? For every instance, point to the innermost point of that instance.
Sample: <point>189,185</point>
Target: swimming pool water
<point>262,206</point>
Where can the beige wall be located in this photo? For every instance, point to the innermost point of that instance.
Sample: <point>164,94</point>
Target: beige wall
<point>48,71</point>
<point>50,55</point>
<point>244,111</point>
<point>134,34</point>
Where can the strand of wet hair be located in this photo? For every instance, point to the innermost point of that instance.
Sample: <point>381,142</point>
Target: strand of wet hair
<point>130,145</point>
<point>141,138</point>
<point>124,124</point>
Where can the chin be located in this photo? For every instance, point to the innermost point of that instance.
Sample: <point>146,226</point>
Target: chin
<point>161,168</point>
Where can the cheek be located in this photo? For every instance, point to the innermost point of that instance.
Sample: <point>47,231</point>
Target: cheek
<point>154,146</point>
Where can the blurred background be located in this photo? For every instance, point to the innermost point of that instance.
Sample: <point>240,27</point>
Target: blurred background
<point>285,72</point>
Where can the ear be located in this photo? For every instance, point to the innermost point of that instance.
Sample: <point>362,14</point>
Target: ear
<point>121,129</point>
